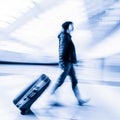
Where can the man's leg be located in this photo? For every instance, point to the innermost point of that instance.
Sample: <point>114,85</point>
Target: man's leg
<point>74,83</point>
<point>55,95</point>
<point>75,87</point>
<point>62,77</point>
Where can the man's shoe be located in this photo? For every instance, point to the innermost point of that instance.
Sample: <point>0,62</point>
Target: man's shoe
<point>82,102</point>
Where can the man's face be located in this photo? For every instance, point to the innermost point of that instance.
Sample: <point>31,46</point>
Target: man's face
<point>71,28</point>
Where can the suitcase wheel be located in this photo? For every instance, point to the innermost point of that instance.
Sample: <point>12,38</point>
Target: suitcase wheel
<point>25,111</point>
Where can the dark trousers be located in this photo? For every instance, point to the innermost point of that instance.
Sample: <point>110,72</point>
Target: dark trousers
<point>68,70</point>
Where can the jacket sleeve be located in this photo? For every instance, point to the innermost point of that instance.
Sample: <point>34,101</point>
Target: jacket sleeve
<point>63,45</point>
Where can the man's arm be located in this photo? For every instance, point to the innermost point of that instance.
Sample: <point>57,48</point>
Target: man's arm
<point>63,44</point>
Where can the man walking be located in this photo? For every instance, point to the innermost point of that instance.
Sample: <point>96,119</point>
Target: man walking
<point>67,59</point>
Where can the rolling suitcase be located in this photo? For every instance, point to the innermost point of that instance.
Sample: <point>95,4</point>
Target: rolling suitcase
<point>24,100</point>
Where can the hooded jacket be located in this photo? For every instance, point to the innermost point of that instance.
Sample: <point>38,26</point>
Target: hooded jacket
<point>67,53</point>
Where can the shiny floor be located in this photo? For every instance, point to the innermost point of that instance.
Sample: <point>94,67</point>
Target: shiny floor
<point>101,86</point>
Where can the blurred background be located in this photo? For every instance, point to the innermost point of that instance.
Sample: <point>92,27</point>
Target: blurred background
<point>29,29</point>
<point>29,47</point>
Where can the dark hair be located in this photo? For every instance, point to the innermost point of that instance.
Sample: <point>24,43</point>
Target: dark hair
<point>66,24</point>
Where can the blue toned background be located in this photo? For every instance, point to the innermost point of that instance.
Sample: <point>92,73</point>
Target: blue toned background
<point>29,29</point>
<point>28,38</point>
